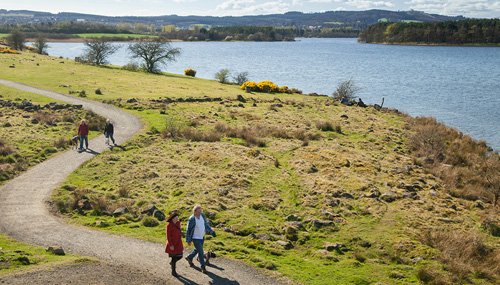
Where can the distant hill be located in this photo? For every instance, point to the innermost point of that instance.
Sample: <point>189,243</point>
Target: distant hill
<point>355,19</point>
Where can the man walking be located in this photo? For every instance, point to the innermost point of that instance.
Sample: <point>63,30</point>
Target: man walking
<point>196,228</point>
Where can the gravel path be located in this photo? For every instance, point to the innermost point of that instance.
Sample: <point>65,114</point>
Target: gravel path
<point>24,213</point>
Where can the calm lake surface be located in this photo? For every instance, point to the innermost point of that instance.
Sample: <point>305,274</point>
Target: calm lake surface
<point>460,86</point>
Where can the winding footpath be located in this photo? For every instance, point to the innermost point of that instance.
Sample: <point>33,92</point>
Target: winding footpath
<point>24,213</point>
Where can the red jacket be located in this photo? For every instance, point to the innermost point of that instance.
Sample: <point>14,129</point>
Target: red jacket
<point>83,130</point>
<point>174,238</point>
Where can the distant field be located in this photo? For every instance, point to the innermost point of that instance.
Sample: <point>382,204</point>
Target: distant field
<point>99,35</point>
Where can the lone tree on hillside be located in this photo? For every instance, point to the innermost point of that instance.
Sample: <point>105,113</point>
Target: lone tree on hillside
<point>16,40</point>
<point>97,51</point>
<point>40,45</point>
<point>346,89</point>
<point>154,53</point>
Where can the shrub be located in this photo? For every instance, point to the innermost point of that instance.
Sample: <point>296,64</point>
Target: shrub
<point>132,66</point>
<point>346,90</point>
<point>8,50</point>
<point>464,253</point>
<point>190,72</point>
<point>46,118</point>
<point>222,75</point>
<point>150,222</point>
<point>5,150</point>
<point>61,143</point>
<point>240,78</point>
<point>325,126</point>
<point>95,122</point>
<point>251,85</point>
<point>267,87</point>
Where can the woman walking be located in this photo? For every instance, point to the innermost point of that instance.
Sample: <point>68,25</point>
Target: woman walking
<point>174,240</point>
<point>108,132</point>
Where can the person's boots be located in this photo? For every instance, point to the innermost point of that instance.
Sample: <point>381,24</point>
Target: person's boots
<point>203,269</point>
<point>174,272</point>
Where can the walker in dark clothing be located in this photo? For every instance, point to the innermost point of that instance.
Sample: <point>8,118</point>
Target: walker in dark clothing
<point>108,132</point>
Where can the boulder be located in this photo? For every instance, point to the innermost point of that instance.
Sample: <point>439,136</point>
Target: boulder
<point>57,250</point>
<point>334,246</point>
<point>149,210</point>
<point>120,211</point>
<point>84,204</point>
<point>285,244</point>
<point>389,197</point>
<point>318,224</point>
<point>159,215</point>
<point>293,217</point>
<point>241,99</point>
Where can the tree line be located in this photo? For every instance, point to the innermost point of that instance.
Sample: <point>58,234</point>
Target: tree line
<point>471,31</point>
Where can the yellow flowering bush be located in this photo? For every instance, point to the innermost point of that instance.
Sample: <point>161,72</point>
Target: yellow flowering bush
<point>8,50</point>
<point>190,72</point>
<point>252,85</point>
<point>267,86</point>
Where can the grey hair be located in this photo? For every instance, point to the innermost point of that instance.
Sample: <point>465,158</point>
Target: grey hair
<point>196,207</point>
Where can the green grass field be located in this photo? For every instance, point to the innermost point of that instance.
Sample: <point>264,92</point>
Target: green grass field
<point>103,35</point>
<point>16,256</point>
<point>283,181</point>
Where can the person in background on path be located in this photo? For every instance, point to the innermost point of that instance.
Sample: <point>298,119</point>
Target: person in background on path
<point>174,246</point>
<point>196,228</point>
<point>83,133</point>
<point>108,132</point>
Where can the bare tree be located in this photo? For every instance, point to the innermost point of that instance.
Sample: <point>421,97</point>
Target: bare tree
<point>97,51</point>
<point>222,75</point>
<point>491,176</point>
<point>241,78</point>
<point>40,44</point>
<point>154,53</point>
<point>346,89</point>
<point>16,40</point>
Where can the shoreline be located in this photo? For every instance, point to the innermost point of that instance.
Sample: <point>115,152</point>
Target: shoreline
<point>431,44</point>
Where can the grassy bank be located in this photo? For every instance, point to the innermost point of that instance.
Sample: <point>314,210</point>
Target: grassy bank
<point>16,256</point>
<point>315,190</point>
<point>33,128</point>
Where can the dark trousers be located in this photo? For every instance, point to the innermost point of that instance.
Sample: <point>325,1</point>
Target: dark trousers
<point>175,258</point>
<point>82,139</point>
<point>198,249</point>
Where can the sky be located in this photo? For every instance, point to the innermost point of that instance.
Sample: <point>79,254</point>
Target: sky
<point>468,8</point>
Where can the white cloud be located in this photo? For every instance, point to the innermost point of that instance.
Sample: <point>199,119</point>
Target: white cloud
<point>250,7</point>
<point>471,8</point>
<point>359,4</point>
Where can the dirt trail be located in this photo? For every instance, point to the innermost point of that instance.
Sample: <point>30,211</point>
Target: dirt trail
<point>24,214</point>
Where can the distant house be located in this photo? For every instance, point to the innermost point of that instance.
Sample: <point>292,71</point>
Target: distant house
<point>80,20</point>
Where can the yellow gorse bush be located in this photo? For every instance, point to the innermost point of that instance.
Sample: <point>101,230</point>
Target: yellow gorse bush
<point>8,50</point>
<point>190,72</point>
<point>267,86</point>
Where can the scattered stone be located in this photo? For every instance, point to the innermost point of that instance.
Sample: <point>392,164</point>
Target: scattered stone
<point>293,217</point>
<point>417,259</point>
<point>333,202</point>
<point>313,169</point>
<point>57,250</point>
<point>285,244</point>
<point>149,210</point>
<point>98,91</point>
<point>410,195</point>
<point>84,204</point>
<point>389,197</point>
<point>262,236</point>
<point>159,215</point>
<point>344,116</point>
<point>223,191</point>
<point>480,205</point>
<point>120,211</point>
<point>132,100</point>
<point>334,246</point>
<point>318,224</point>
<point>24,260</point>
<point>241,98</point>
<point>374,193</point>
